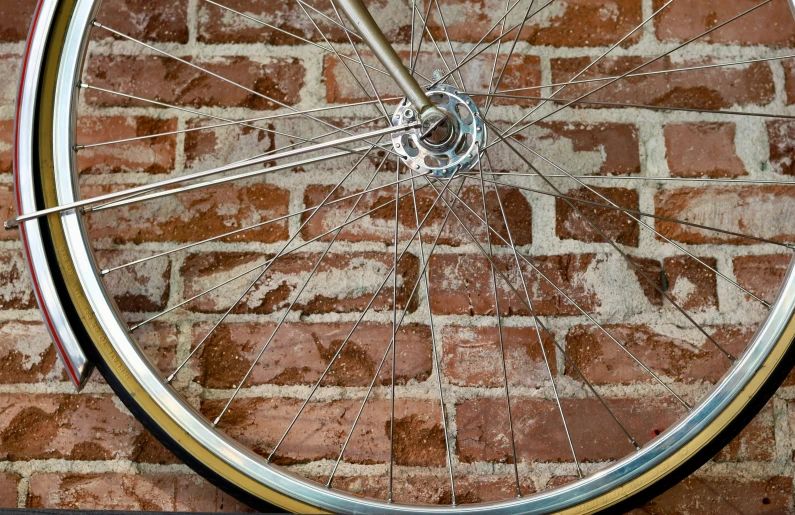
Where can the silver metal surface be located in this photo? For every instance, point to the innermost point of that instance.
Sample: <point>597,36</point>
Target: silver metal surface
<point>254,466</point>
<point>69,350</point>
<point>469,134</point>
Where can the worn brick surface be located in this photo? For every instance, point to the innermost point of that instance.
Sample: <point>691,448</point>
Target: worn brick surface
<point>63,450</point>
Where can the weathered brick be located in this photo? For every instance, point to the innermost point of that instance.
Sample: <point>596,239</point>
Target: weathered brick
<point>702,150</point>
<point>219,26</point>
<point>322,428</point>
<point>461,285</point>
<point>150,155</point>
<point>15,289</point>
<point>15,19</point>
<point>27,354</point>
<point>756,442</point>
<point>8,489</point>
<point>578,23</point>
<point>163,79</point>
<point>471,356</point>
<point>215,147</point>
<point>586,224</point>
<point>159,492</point>
<point>6,147</point>
<point>342,283</point>
<point>717,496</point>
<point>299,353</point>
<point>682,354</point>
<point>754,211</point>
<point>77,427</point>
<point>141,287</point>
<point>9,67</point>
<point>772,24</point>
<point>781,134</point>
<point>380,225</point>
<point>8,209</point>
<point>194,215</point>
<point>148,21</point>
<point>713,88</point>
<point>523,71</point>
<point>538,430</point>
<point>762,275</point>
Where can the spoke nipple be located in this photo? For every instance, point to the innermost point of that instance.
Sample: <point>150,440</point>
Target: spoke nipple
<point>82,85</point>
<point>731,358</point>
<point>96,24</point>
<point>171,378</point>
<point>637,446</point>
<point>215,422</point>
<point>11,224</point>
<point>389,499</point>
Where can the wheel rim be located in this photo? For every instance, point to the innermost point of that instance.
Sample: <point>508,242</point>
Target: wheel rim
<point>115,326</point>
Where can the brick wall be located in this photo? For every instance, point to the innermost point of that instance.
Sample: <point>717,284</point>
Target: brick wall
<point>61,450</point>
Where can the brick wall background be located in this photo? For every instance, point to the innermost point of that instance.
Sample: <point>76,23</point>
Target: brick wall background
<point>61,450</point>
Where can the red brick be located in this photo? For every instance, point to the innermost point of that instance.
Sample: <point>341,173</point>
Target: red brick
<point>682,354</point>
<point>380,225</point>
<point>539,434</point>
<point>471,356</point>
<point>690,284</point>
<point>8,490</point>
<point>323,426</point>
<point>27,354</point>
<point>77,427</point>
<point>147,21</point>
<point>218,26</point>
<point>8,209</point>
<point>178,492</point>
<point>194,215</point>
<point>702,150</point>
<point>6,146</point>
<point>762,275</point>
<point>15,18</point>
<point>754,211</point>
<point>789,76</point>
<point>616,225</point>
<point>576,23</point>
<point>299,353</point>
<point>164,79</point>
<point>462,285</point>
<point>342,283</point>
<point>718,496</point>
<point>141,287</point>
<point>151,155</point>
<point>713,88</point>
<point>781,134</point>
<point>523,71</point>
<point>772,24</point>
<point>219,146</point>
<point>15,290</point>
<point>579,148</point>
<point>436,489</point>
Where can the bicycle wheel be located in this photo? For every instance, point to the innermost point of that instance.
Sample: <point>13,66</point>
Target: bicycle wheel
<point>563,290</point>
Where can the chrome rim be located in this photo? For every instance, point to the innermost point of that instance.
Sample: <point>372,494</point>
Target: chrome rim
<point>537,174</point>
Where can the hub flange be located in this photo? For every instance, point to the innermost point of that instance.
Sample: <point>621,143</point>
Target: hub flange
<point>444,144</point>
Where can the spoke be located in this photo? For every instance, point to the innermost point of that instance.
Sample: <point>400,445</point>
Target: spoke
<point>257,267</point>
<point>499,45</point>
<point>358,321</point>
<point>499,328</point>
<point>645,74</point>
<point>652,179</point>
<point>638,213</point>
<point>449,43</point>
<point>394,332</point>
<point>198,175</point>
<point>433,40</point>
<point>492,85</point>
<point>635,106</point>
<point>613,244</point>
<point>249,227</point>
<point>423,273</point>
<point>582,311</point>
<point>511,132</point>
<point>238,122</point>
<point>217,76</point>
<point>521,299</point>
<point>536,322</point>
<point>261,274</point>
<point>416,10</point>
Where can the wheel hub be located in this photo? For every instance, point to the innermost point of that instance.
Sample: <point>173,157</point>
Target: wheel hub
<point>445,143</point>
